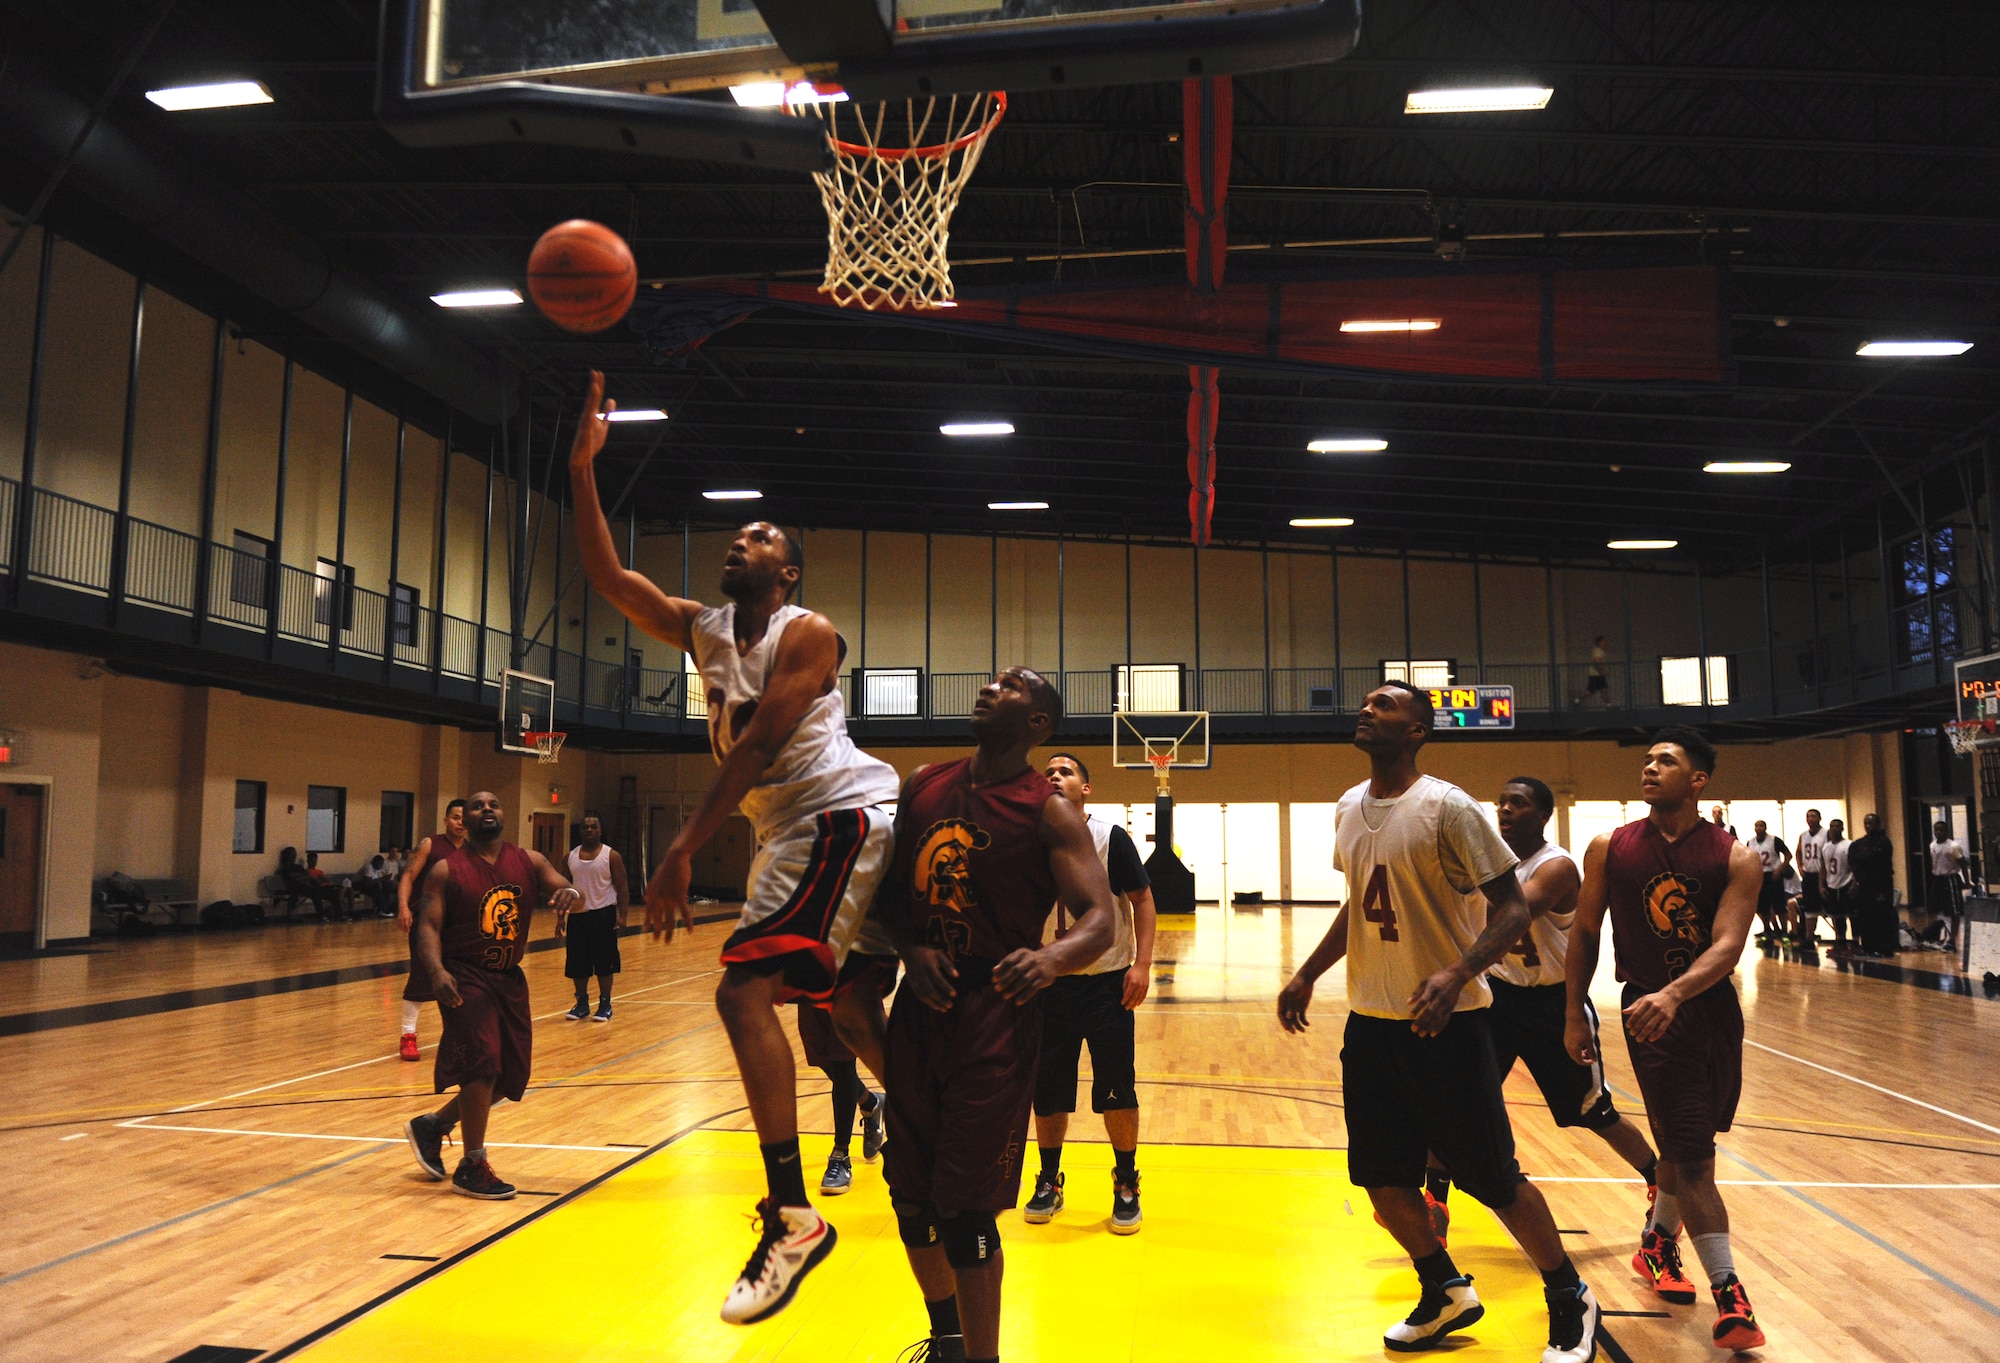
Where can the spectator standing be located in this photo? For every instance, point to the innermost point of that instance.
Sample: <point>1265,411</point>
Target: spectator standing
<point>1715,816</point>
<point>1809,853</point>
<point>1944,896</point>
<point>1597,686</point>
<point>1776,857</point>
<point>598,873</point>
<point>1836,883</point>
<point>1872,859</point>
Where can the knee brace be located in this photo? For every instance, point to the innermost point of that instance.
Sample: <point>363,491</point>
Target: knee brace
<point>920,1227</point>
<point>971,1239</point>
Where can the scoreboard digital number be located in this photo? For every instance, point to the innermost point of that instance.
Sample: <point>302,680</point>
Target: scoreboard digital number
<point>1979,687</point>
<point>1475,707</point>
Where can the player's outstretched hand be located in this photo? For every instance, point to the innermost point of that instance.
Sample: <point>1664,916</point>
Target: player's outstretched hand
<point>1021,975</point>
<point>446,989</point>
<point>666,895</point>
<point>1292,1001</point>
<point>1649,1017</point>
<point>1576,1040</point>
<point>931,974</point>
<point>1431,1005</point>
<point>592,427</point>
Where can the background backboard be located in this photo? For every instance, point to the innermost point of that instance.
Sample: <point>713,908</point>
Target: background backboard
<point>1139,735</point>
<point>527,706</point>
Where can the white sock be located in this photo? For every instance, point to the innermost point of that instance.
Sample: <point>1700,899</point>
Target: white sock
<point>1667,1215</point>
<point>410,1014</point>
<point>1713,1251</point>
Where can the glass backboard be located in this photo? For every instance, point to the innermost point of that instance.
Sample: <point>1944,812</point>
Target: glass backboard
<point>527,706</point>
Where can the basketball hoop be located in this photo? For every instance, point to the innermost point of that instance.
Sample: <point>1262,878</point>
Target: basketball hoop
<point>1163,766</point>
<point>891,193</point>
<point>546,745</point>
<point>1968,736</point>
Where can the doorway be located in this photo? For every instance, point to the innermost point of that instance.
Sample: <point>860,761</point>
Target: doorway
<point>20,863</point>
<point>551,835</point>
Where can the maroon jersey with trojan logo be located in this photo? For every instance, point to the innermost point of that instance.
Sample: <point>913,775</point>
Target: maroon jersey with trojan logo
<point>971,862</point>
<point>1662,898</point>
<point>487,906</point>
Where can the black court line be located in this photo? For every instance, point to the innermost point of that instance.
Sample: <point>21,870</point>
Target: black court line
<point>348,1318</point>
<point>217,1353</point>
<point>146,1005</point>
<point>415,1258</point>
<point>1646,1315</point>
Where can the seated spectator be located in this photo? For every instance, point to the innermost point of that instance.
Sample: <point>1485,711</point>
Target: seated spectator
<point>378,882</point>
<point>306,883</point>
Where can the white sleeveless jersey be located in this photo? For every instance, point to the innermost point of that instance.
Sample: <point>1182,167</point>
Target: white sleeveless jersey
<point>592,879</point>
<point>1414,865</point>
<point>1124,948</point>
<point>819,768</point>
<point>1538,960</point>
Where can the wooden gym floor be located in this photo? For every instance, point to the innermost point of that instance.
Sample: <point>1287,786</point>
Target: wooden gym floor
<point>204,1133</point>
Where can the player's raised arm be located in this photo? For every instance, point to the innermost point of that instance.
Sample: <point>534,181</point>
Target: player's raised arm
<point>1649,1017</point>
<point>1083,889</point>
<point>805,668</point>
<point>637,598</point>
<point>1580,965</point>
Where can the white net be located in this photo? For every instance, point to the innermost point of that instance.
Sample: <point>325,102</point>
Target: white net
<point>548,746</point>
<point>899,168</point>
<point>1970,735</point>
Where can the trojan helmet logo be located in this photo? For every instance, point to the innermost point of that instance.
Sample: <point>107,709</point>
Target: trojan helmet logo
<point>500,915</point>
<point>944,878</point>
<point>1670,907</point>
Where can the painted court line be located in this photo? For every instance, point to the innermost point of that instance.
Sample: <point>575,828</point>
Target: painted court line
<point>1841,1074</point>
<point>366,1140</point>
<point>1769,1182</point>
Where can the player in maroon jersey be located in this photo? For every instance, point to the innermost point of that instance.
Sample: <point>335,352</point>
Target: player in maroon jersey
<point>1681,894</point>
<point>435,848</point>
<point>472,928</point>
<point>985,850</point>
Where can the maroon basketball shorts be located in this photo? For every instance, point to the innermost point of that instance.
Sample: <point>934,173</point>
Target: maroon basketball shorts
<point>960,1085</point>
<point>417,988</point>
<point>1692,1076</point>
<point>489,1035</point>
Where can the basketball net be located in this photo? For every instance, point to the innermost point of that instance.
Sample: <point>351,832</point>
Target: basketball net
<point>1968,736</point>
<point>547,746</point>
<point>899,168</point>
<point>1163,767</point>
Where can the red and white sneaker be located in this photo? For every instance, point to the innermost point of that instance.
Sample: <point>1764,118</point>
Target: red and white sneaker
<point>1659,1263</point>
<point>793,1242</point>
<point>408,1050</point>
<point>1735,1323</point>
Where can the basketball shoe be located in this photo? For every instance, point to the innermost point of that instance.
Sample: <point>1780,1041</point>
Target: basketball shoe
<point>475,1178</point>
<point>1573,1318</point>
<point>408,1049</point>
<point>935,1349</point>
<point>1443,1307</point>
<point>872,1136</point>
<point>580,1012</point>
<point>1125,1216</point>
<point>1735,1323</point>
<point>427,1136</point>
<point>603,1013</point>
<point>839,1176</point>
<point>792,1243</point>
<point>1047,1201</point>
<point>1659,1263</point>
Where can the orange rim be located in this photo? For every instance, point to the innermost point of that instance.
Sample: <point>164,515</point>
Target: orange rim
<point>938,152</point>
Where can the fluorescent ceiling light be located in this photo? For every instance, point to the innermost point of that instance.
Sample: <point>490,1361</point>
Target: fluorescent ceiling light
<point>1889,350</point>
<point>477,298</point>
<point>226,94</point>
<point>977,428</point>
<point>1349,445</point>
<point>1394,324</point>
<point>637,414</point>
<point>1641,544</point>
<point>1322,522</point>
<point>1017,506</point>
<point>1745,466</point>
<point>1479,99</point>
<point>741,494</point>
<point>773,94</point>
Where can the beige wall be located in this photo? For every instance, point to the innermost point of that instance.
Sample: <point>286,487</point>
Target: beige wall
<point>58,701</point>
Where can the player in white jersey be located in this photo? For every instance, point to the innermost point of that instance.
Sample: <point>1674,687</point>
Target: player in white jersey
<point>778,729</point>
<point>1439,905</point>
<point>590,930</point>
<point>1809,851</point>
<point>1530,1004</point>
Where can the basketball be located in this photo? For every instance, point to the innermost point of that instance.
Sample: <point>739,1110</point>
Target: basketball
<point>581,275</point>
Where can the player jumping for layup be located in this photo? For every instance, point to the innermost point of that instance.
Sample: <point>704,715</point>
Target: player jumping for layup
<point>779,733</point>
<point>1681,894</point>
<point>1439,905</point>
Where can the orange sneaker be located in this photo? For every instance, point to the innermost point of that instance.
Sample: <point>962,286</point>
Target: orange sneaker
<point>1735,1324</point>
<point>1440,1221</point>
<point>408,1049</point>
<point>1659,1263</point>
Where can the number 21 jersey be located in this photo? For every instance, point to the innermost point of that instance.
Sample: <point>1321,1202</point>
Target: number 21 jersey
<point>1414,865</point>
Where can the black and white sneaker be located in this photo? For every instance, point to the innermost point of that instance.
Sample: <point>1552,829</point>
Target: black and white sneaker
<point>839,1176</point>
<point>1443,1307</point>
<point>1047,1201</point>
<point>1125,1217</point>
<point>426,1136</point>
<point>793,1242</point>
<point>872,1135</point>
<point>935,1349</point>
<point>475,1178</point>
<point>580,1012</point>
<point>1573,1317</point>
<point>603,1013</point>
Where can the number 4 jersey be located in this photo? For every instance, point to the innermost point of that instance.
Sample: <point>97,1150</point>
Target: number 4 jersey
<point>1537,959</point>
<point>1414,865</point>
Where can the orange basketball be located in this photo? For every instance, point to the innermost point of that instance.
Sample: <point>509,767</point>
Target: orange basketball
<point>581,275</point>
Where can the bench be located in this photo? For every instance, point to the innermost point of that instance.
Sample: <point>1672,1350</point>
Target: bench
<point>166,899</point>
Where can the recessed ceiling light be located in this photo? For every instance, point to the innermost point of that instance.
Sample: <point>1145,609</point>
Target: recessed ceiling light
<point>1478,99</point>
<point>1889,350</point>
<point>1349,445</point>
<point>1745,466</point>
<point>741,494</point>
<point>1394,324</point>
<point>477,298</point>
<point>1641,544</point>
<point>772,94</point>
<point>227,94</point>
<point>1017,506</point>
<point>637,414</point>
<point>977,428</point>
<point>1322,522</point>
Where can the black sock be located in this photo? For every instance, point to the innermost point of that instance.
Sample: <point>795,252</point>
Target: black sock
<point>1125,1163</point>
<point>603,991</point>
<point>944,1316</point>
<point>1436,1268</point>
<point>870,1101</point>
<point>1562,1275</point>
<point>1437,1182</point>
<point>846,1096</point>
<point>1051,1160</point>
<point>783,1174</point>
<point>1651,1173</point>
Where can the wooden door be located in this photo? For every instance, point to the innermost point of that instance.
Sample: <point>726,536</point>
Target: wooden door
<point>20,862</point>
<point>551,837</point>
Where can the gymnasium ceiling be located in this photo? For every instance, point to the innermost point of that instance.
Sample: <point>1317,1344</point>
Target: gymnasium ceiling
<point>1839,159</point>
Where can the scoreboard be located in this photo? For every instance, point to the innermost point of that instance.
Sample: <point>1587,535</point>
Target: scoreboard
<point>1978,687</point>
<point>1482,707</point>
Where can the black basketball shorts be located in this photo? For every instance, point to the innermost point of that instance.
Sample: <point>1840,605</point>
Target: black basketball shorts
<point>1087,1008</point>
<point>1527,1024</point>
<point>1409,1097</point>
